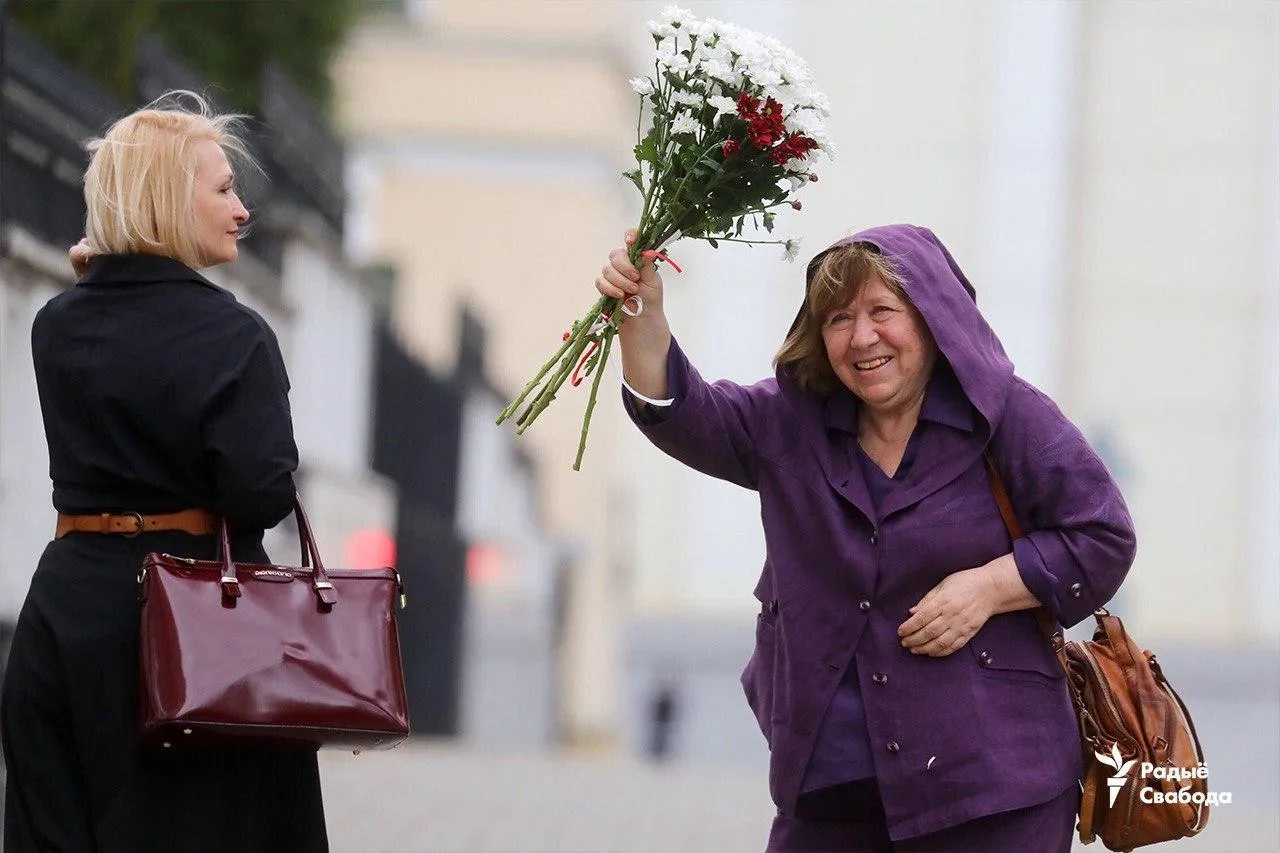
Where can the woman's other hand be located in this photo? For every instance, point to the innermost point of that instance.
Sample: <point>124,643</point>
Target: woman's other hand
<point>949,614</point>
<point>953,611</point>
<point>80,255</point>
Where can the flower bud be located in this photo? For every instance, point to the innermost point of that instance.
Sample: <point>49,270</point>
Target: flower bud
<point>795,205</point>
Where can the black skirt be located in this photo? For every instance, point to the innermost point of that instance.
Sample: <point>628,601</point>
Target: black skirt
<point>78,779</point>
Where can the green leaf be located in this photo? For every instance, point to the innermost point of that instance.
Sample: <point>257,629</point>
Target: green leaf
<point>634,177</point>
<point>714,243</point>
<point>768,221</point>
<point>647,150</point>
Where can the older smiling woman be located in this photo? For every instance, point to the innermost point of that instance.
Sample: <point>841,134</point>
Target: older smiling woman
<point>908,696</point>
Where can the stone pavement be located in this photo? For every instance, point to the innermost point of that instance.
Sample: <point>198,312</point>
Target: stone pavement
<point>441,798</point>
<point>500,791</point>
<point>446,798</point>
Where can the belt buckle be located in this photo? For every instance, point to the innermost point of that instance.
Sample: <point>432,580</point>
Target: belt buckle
<point>136,516</point>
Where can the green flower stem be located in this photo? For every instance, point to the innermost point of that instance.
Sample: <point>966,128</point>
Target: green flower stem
<point>552,385</point>
<point>567,345</point>
<point>548,391</point>
<point>689,174</point>
<point>568,356</point>
<point>515,404</point>
<point>740,240</point>
<point>608,336</point>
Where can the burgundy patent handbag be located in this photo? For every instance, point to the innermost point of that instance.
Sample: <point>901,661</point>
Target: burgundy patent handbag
<point>237,653</point>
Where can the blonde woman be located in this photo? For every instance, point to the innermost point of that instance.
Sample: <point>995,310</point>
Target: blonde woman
<point>165,404</point>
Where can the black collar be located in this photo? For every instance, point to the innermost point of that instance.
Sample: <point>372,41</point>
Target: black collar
<point>141,269</point>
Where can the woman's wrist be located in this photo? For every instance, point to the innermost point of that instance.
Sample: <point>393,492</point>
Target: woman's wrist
<point>645,342</point>
<point>1007,591</point>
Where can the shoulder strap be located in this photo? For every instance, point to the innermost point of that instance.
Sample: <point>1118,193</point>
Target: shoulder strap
<point>1088,808</point>
<point>1002,497</point>
<point>1051,631</point>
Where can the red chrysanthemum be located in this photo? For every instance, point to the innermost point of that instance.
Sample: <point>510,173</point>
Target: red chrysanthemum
<point>765,130</point>
<point>730,147</point>
<point>747,106</point>
<point>795,146</point>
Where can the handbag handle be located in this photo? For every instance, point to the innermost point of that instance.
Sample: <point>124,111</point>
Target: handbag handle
<point>1052,632</point>
<point>320,582</point>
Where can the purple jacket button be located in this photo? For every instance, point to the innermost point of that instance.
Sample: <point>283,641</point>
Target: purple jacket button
<point>893,747</point>
<point>875,537</point>
<point>864,605</point>
<point>1075,590</point>
<point>985,657</point>
<point>880,678</point>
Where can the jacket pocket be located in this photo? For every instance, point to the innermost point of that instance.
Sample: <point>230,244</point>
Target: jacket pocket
<point>758,676</point>
<point>1012,647</point>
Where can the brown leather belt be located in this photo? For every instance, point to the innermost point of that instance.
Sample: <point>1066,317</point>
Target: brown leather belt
<point>197,522</point>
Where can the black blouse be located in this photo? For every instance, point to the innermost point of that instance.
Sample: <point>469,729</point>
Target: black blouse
<point>161,392</point>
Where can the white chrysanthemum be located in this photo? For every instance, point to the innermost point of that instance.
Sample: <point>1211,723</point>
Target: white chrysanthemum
<point>694,28</point>
<point>722,71</point>
<point>685,123</point>
<point>723,105</point>
<point>676,62</point>
<point>806,121</point>
<point>784,95</point>
<point>665,49</point>
<point>677,17</point>
<point>819,102</point>
<point>791,249</point>
<point>706,54</point>
<point>688,99</point>
<point>713,30</point>
<point>797,181</point>
<point>662,31</point>
<point>641,85</point>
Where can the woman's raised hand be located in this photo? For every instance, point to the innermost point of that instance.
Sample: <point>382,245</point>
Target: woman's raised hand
<point>619,278</point>
<point>644,336</point>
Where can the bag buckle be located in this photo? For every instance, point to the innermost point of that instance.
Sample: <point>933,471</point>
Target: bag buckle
<point>230,586</point>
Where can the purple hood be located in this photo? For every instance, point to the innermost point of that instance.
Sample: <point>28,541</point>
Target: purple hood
<point>947,301</point>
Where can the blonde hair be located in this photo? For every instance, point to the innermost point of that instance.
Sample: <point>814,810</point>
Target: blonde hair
<point>840,274</point>
<point>141,176</point>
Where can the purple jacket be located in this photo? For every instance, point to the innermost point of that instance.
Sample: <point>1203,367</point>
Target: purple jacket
<point>989,727</point>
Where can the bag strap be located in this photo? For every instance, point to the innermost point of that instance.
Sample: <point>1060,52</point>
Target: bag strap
<point>1047,625</point>
<point>320,581</point>
<point>1088,803</point>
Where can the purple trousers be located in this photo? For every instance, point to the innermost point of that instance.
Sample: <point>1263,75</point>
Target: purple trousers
<point>849,819</point>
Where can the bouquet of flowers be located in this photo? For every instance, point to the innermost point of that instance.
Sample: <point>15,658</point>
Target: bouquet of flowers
<point>736,127</point>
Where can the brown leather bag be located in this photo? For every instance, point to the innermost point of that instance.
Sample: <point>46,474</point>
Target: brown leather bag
<point>1138,738</point>
<point>269,655</point>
